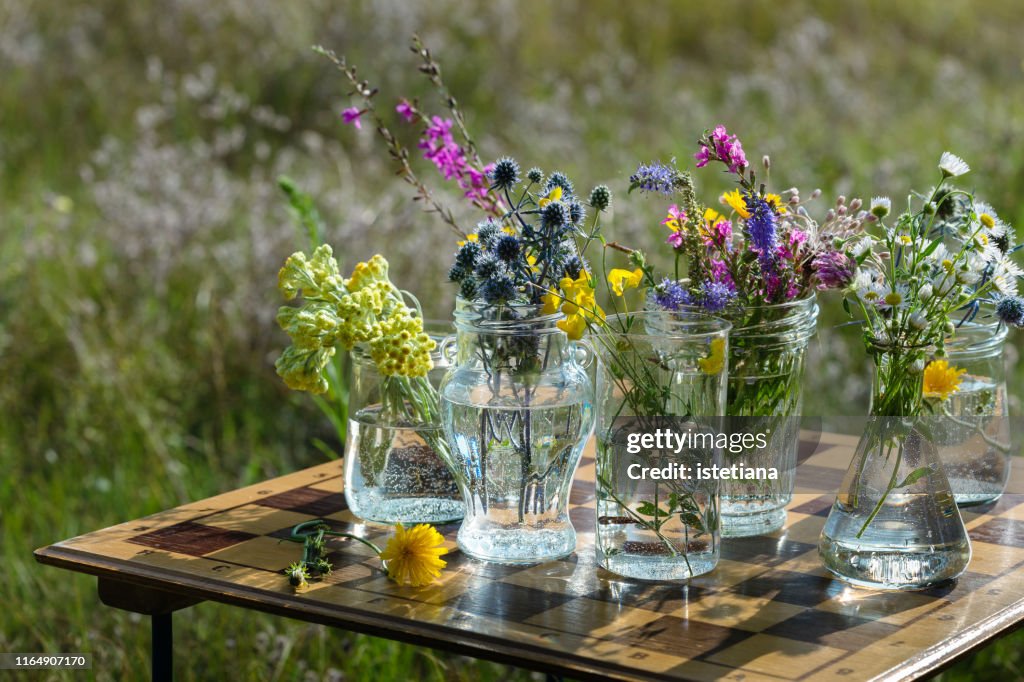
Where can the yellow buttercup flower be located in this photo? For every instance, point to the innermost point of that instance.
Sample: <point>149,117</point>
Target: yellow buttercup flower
<point>554,195</point>
<point>735,201</point>
<point>620,280</point>
<point>573,326</point>
<point>414,556</point>
<point>578,304</point>
<point>551,301</point>
<point>715,361</point>
<point>941,380</point>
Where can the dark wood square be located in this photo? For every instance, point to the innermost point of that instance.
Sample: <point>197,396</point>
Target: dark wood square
<point>681,637</point>
<point>786,586</point>
<point>833,629</point>
<point>1000,531</point>
<point>191,538</point>
<point>307,501</point>
<point>483,597</point>
<point>763,550</point>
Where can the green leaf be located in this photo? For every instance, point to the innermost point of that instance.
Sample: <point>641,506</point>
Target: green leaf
<point>648,509</point>
<point>693,521</point>
<point>846,306</point>
<point>913,476</point>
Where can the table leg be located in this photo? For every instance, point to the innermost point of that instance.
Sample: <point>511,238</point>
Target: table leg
<point>163,647</point>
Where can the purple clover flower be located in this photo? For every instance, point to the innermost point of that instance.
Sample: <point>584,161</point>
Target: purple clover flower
<point>833,270</point>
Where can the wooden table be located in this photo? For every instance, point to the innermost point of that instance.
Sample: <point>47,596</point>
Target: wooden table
<point>768,612</point>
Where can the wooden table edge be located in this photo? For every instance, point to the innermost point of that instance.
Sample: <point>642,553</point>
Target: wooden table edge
<point>493,649</point>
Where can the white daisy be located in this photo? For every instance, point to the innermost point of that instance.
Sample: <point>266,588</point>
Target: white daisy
<point>894,297</point>
<point>952,165</point>
<point>1004,276</point>
<point>880,206</point>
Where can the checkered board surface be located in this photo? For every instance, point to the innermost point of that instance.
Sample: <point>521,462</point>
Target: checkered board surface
<point>768,612</point>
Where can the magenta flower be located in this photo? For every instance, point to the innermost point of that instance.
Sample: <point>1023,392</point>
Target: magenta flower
<point>406,111</point>
<point>721,146</point>
<point>720,235</point>
<point>675,240</point>
<point>351,116</point>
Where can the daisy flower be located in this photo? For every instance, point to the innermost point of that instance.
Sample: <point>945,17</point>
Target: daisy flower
<point>1004,276</point>
<point>952,165</point>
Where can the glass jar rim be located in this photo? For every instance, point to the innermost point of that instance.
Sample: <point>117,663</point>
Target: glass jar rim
<point>473,316</point>
<point>708,326</point>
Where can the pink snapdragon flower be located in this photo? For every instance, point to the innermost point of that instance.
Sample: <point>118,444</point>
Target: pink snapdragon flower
<point>351,116</point>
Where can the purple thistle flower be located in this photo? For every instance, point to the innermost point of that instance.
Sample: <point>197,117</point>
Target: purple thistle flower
<point>655,177</point>
<point>671,295</point>
<point>833,270</point>
<point>715,296</point>
<point>1010,309</point>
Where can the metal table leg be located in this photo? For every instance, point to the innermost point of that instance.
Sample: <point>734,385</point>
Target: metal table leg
<point>163,647</point>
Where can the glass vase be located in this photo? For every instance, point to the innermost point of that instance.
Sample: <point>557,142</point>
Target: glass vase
<point>517,410</point>
<point>395,470</point>
<point>895,524</point>
<point>974,438</point>
<point>767,346</point>
<point>656,518</point>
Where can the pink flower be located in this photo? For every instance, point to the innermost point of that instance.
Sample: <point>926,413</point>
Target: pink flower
<point>720,235</point>
<point>703,156</point>
<point>675,240</point>
<point>406,111</point>
<point>721,146</point>
<point>351,115</point>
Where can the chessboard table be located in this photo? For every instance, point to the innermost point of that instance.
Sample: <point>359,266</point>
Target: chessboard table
<point>768,612</point>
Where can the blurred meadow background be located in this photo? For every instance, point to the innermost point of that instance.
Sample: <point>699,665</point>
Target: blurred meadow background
<point>142,229</point>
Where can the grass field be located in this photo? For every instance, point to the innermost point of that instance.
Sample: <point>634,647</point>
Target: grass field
<point>142,230</point>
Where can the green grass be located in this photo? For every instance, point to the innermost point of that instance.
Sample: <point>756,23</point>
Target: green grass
<point>136,330</point>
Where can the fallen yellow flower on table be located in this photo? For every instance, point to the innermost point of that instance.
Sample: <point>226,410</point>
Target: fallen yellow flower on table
<point>941,380</point>
<point>414,556</point>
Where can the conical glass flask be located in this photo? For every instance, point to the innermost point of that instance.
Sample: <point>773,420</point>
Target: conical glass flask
<point>895,524</point>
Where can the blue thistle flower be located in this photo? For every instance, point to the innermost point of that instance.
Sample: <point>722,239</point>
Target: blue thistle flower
<point>555,215</point>
<point>559,179</point>
<point>535,175</point>
<point>715,296</point>
<point>671,295</point>
<point>577,214</point>
<point>498,290</point>
<point>487,267</point>
<point>467,255</point>
<point>507,248</point>
<point>467,288</point>
<point>601,198</point>
<point>457,273</point>
<point>654,177</point>
<point>1010,309</point>
<point>487,233</point>
<point>505,173</point>
<point>574,265</point>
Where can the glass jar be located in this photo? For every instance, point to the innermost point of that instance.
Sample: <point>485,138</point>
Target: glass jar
<point>767,346</point>
<point>894,524</point>
<point>974,439</point>
<point>395,451</point>
<point>657,517</point>
<point>517,410</point>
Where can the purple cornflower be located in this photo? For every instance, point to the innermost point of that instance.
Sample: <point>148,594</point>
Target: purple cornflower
<point>720,146</point>
<point>655,177</point>
<point>406,111</point>
<point>833,270</point>
<point>715,296</point>
<point>671,295</point>
<point>351,116</point>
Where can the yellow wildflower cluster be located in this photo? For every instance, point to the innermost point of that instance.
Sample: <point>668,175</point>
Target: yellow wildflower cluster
<point>364,309</point>
<point>577,303</point>
<point>715,361</point>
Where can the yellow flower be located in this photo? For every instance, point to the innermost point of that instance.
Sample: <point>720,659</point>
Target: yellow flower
<point>413,556</point>
<point>987,220</point>
<point>776,201</point>
<point>906,239</point>
<point>551,302</point>
<point>715,361</point>
<point>620,280</point>
<point>573,326</point>
<point>736,201</point>
<point>941,380</point>
<point>469,238</point>
<point>554,195</point>
<point>712,216</point>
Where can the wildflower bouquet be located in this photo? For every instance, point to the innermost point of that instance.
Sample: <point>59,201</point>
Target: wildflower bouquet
<point>943,261</point>
<point>368,313</point>
<point>932,268</point>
